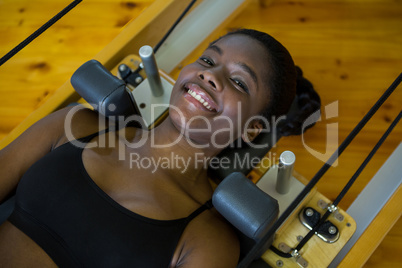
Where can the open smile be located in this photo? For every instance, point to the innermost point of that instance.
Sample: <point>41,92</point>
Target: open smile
<point>199,95</point>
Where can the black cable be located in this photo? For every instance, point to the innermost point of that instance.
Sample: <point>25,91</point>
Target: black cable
<point>280,253</point>
<point>253,252</point>
<point>160,43</point>
<point>156,48</point>
<point>351,181</point>
<point>364,164</point>
<point>38,32</point>
<point>344,190</point>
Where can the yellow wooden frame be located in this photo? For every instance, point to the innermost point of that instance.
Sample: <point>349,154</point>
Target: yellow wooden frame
<point>158,17</point>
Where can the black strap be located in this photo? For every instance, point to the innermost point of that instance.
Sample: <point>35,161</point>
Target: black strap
<point>207,205</point>
<point>38,32</point>
<point>88,138</point>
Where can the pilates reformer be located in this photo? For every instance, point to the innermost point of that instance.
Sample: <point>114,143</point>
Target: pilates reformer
<point>308,206</point>
<point>317,215</point>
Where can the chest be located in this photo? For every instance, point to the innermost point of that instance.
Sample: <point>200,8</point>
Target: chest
<point>137,181</point>
<point>93,227</point>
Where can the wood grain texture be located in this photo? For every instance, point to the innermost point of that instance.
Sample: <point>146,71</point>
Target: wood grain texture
<point>364,247</point>
<point>350,50</point>
<point>31,76</point>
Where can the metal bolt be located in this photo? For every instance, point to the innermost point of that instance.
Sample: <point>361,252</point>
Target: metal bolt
<point>299,238</point>
<point>138,80</point>
<point>279,263</point>
<point>309,212</point>
<point>332,230</point>
<point>332,208</point>
<point>295,253</point>
<point>122,67</point>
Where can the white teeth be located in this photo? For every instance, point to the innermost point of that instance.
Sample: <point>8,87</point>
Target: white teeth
<point>200,99</point>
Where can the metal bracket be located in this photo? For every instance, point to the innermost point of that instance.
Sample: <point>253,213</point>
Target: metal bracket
<point>295,254</point>
<point>310,217</point>
<point>151,108</point>
<point>335,212</point>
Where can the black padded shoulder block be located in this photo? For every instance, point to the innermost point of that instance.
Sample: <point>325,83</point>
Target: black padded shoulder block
<point>105,92</point>
<point>244,205</point>
<point>248,208</point>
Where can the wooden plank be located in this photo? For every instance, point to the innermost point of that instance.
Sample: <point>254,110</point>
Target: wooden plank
<point>375,233</point>
<point>147,29</point>
<point>34,74</point>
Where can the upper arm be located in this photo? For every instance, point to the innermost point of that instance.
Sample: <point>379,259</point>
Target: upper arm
<point>217,248</point>
<point>28,148</point>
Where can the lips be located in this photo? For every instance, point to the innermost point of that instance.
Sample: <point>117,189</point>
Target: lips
<point>199,94</point>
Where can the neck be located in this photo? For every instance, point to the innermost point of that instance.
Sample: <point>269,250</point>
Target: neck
<point>178,156</point>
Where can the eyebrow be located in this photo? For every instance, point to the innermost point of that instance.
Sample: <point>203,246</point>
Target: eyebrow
<point>216,49</point>
<point>248,70</point>
<point>242,65</point>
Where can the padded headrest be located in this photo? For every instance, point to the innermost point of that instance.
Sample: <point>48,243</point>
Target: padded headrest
<point>245,206</point>
<point>100,88</point>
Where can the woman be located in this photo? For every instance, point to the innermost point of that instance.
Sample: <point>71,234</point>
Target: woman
<point>85,206</point>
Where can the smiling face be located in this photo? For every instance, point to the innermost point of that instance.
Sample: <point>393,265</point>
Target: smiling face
<point>217,94</point>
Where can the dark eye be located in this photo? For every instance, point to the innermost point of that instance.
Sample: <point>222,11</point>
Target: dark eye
<point>207,61</point>
<point>241,85</point>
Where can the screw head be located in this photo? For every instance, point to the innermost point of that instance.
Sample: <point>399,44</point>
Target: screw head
<point>332,230</point>
<point>122,67</point>
<point>279,263</point>
<point>138,80</point>
<point>309,212</point>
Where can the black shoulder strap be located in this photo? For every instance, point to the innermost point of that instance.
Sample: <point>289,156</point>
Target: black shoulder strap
<point>198,211</point>
<point>88,138</point>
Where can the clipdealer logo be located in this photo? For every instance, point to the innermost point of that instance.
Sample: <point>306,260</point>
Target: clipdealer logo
<point>330,111</point>
<point>174,161</point>
<point>332,133</point>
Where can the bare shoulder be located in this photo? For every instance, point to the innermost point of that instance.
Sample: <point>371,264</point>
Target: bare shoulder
<point>211,243</point>
<point>78,122</point>
<point>38,140</point>
<point>52,130</point>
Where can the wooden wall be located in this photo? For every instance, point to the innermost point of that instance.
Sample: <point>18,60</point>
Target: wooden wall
<point>351,50</point>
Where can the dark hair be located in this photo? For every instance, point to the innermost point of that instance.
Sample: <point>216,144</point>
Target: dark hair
<point>286,82</point>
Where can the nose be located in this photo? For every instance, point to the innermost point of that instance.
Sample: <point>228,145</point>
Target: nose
<point>209,77</point>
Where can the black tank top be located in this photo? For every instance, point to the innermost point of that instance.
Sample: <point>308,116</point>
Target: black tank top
<point>61,208</point>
